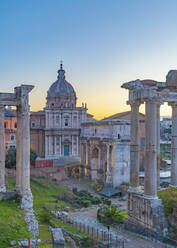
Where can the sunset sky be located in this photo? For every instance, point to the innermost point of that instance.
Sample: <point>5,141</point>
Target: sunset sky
<point>103,44</point>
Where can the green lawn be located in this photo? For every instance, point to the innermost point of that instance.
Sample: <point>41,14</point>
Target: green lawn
<point>12,224</point>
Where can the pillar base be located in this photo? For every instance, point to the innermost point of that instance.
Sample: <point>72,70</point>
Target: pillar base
<point>3,189</point>
<point>18,189</point>
<point>32,223</point>
<point>26,201</point>
<point>147,213</point>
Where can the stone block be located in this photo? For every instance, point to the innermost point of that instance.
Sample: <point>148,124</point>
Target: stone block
<point>57,238</point>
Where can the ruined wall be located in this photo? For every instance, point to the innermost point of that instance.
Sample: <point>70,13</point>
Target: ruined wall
<point>121,165</point>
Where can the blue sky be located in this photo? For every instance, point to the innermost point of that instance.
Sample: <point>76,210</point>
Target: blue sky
<point>102,43</point>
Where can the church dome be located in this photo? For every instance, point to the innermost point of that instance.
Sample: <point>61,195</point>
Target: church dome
<point>61,93</point>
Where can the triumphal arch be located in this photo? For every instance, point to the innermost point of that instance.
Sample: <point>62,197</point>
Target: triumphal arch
<point>145,208</point>
<point>19,99</point>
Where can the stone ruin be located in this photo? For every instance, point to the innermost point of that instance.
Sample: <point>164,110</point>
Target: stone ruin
<point>19,99</point>
<point>145,209</point>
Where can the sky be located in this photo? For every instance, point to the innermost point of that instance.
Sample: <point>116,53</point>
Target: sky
<point>103,43</point>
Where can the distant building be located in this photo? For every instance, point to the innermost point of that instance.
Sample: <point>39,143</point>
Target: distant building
<point>127,116</point>
<point>10,125</point>
<point>55,131</point>
<point>105,151</point>
<point>165,129</point>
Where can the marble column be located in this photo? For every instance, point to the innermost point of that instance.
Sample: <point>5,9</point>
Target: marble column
<point>174,145</point>
<point>55,145</point>
<point>25,152</point>
<point>77,144</point>
<point>46,146</point>
<point>158,146</point>
<point>18,151</point>
<point>72,144</point>
<point>134,148</point>
<point>89,160</point>
<point>150,175</point>
<point>60,146</point>
<point>82,166</point>
<point>108,172</point>
<point>86,153</point>
<point>24,142</point>
<point>2,150</point>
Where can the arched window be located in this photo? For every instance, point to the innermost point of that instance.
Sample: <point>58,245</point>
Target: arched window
<point>118,136</point>
<point>12,137</point>
<point>66,122</point>
<point>15,125</point>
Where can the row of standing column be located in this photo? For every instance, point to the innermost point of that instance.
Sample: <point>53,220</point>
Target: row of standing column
<point>152,153</point>
<point>152,150</point>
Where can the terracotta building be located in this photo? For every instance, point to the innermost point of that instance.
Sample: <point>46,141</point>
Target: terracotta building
<point>10,125</point>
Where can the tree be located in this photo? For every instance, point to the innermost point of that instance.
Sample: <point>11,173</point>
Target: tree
<point>33,156</point>
<point>11,157</point>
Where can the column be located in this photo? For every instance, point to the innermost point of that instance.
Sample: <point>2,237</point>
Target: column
<point>18,150</point>
<point>24,142</point>
<point>55,145</point>
<point>134,147</point>
<point>25,150</point>
<point>72,144</point>
<point>89,160</point>
<point>60,120</point>
<point>111,158</point>
<point>108,172</point>
<point>2,150</point>
<point>60,146</point>
<point>150,176</point>
<point>86,153</point>
<point>46,146</point>
<point>77,144</point>
<point>82,166</point>
<point>174,145</point>
<point>158,146</point>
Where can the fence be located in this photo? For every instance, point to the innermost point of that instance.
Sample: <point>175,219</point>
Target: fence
<point>96,234</point>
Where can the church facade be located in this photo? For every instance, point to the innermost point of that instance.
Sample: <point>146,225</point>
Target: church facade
<point>59,124</point>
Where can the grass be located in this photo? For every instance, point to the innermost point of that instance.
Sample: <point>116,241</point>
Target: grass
<point>169,198</point>
<point>12,224</point>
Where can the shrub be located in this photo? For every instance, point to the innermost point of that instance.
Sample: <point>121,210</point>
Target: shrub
<point>45,216</point>
<point>85,203</point>
<point>169,198</point>
<point>75,190</point>
<point>112,214</point>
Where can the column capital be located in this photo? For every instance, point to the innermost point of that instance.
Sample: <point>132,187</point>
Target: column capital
<point>155,100</point>
<point>134,103</point>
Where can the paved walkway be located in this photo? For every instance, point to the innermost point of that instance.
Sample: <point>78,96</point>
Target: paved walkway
<point>131,240</point>
<point>88,217</point>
